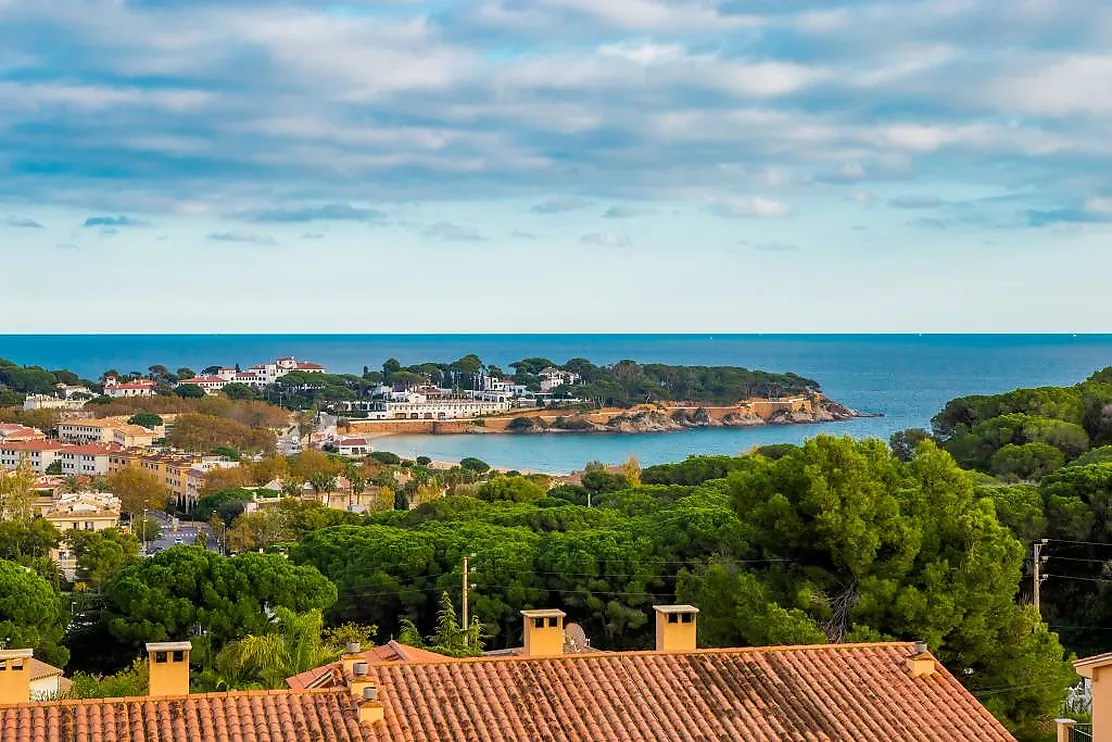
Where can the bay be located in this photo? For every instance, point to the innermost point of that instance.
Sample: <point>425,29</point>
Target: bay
<point>907,378</point>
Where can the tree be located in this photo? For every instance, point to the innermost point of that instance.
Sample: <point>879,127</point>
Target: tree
<point>23,541</point>
<point>257,531</point>
<point>312,463</point>
<point>55,468</point>
<point>176,592</point>
<point>631,470</point>
<point>877,548</point>
<point>17,493</point>
<point>511,489</point>
<point>476,465</point>
<point>189,391</point>
<point>131,682</point>
<point>293,643</point>
<point>423,461</point>
<point>138,490</point>
<point>239,391</point>
<point>32,614</point>
<point>185,373</point>
<point>224,479</point>
<point>147,420</point>
<point>101,554</point>
<point>904,442</point>
<point>1029,461</point>
<point>202,433</point>
<point>146,528</point>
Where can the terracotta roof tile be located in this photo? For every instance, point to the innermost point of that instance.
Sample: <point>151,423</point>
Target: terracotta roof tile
<point>813,693</point>
<point>255,716</point>
<point>330,676</point>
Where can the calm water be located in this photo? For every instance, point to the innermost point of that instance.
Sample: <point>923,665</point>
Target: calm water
<point>905,377</point>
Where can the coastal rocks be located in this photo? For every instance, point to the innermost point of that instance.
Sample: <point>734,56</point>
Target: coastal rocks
<point>742,420</point>
<point>700,418</point>
<point>643,422</point>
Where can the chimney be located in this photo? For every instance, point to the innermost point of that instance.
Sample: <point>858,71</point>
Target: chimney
<point>1098,671</point>
<point>359,680</point>
<point>544,632</point>
<point>169,668</point>
<point>351,656</point>
<point>370,708</point>
<point>15,676</point>
<point>675,627</point>
<point>921,663</point>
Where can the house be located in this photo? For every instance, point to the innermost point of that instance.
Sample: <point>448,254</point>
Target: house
<point>117,389</point>
<point>47,681</point>
<point>74,460</point>
<point>80,511</point>
<point>417,406</point>
<point>14,432</point>
<point>822,693</point>
<point>875,691</point>
<point>207,384</point>
<point>1097,672</point>
<point>551,378</point>
<point>48,402</point>
<point>109,430</point>
<point>71,390</point>
<point>353,446</point>
<point>169,713</point>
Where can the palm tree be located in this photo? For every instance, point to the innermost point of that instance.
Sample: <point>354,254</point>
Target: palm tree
<point>293,645</point>
<point>72,484</point>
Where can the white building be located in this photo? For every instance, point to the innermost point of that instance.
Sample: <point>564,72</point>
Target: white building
<point>352,446</point>
<point>47,402</point>
<point>208,384</point>
<point>265,374</point>
<point>551,378</point>
<point>116,389</point>
<point>77,460</point>
<point>422,407</point>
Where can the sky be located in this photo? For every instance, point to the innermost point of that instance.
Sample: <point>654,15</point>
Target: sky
<point>555,165</point>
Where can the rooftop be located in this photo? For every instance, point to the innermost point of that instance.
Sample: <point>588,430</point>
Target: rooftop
<point>816,693</point>
<point>275,716</point>
<point>330,676</point>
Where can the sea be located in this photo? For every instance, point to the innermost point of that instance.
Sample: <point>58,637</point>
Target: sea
<point>903,378</point>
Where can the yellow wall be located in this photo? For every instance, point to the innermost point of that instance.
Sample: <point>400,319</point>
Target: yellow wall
<point>169,678</point>
<point>674,637</point>
<point>15,683</point>
<point>544,642</point>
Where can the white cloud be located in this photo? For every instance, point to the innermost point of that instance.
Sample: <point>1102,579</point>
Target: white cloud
<point>605,239</point>
<point>757,207</point>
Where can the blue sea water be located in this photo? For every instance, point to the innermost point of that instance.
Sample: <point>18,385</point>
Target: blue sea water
<point>907,378</point>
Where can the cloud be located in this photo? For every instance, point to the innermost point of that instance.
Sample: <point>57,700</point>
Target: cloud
<point>517,234</point>
<point>916,202</point>
<point>313,236</point>
<point>109,231</point>
<point>931,223</point>
<point>605,239</point>
<point>626,212</point>
<point>20,222</point>
<point>751,208</point>
<point>560,205</point>
<point>452,232</point>
<point>852,173</point>
<point>67,246</point>
<point>245,237</point>
<point>114,221</point>
<point>327,212</point>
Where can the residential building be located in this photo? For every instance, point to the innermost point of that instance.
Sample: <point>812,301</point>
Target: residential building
<point>415,406</point>
<point>48,402</point>
<point>353,446</point>
<point>80,511</point>
<point>109,430</point>
<point>551,378</point>
<point>70,390</point>
<point>14,432</point>
<point>208,384</point>
<point>265,374</point>
<point>182,474</point>
<point>117,389</point>
<point>47,681</point>
<point>877,691</point>
<point>75,460</point>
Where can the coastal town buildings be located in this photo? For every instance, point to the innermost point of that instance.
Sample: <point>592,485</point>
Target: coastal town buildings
<point>14,432</point>
<point>109,430</point>
<point>48,402</point>
<point>257,376</point>
<point>90,459</point>
<point>442,406</point>
<point>117,389</point>
<point>552,378</point>
<point>79,511</point>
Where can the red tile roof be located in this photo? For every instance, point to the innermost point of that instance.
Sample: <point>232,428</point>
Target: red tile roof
<point>330,676</point>
<point>255,716</point>
<point>813,693</point>
<point>137,384</point>
<point>307,364</point>
<point>204,380</point>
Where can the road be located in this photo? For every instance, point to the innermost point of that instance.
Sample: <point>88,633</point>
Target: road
<point>186,533</point>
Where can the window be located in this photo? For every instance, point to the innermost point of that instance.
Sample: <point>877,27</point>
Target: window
<point>687,617</point>
<point>553,622</point>
<point>673,618</point>
<point>179,656</point>
<point>160,658</point>
<point>538,623</point>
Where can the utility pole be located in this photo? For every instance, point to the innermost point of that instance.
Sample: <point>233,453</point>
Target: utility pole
<point>466,594</point>
<point>1037,563</point>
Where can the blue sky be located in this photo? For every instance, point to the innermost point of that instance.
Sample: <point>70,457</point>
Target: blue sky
<point>555,165</point>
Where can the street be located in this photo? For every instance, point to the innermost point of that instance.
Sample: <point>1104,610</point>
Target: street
<point>186,533</point>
